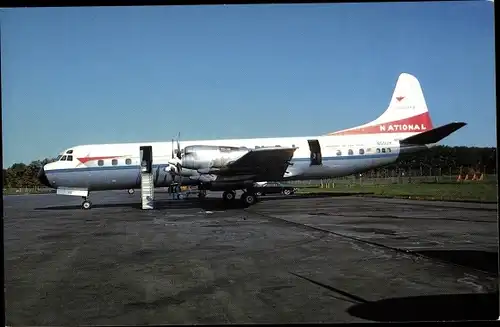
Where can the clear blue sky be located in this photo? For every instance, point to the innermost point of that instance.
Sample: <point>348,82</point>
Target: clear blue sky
<point>102,75</point>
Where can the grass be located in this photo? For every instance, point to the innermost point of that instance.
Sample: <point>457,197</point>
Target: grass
<point>27,190</point>
<point>466,191</point>
<point>469,191</point>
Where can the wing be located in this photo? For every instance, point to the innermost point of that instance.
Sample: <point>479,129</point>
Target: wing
<point>260,164</point>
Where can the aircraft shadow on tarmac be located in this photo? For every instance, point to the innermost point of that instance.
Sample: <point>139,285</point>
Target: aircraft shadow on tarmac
<point>475,306</point>
<point>194,202</point>
<point>482,260</point>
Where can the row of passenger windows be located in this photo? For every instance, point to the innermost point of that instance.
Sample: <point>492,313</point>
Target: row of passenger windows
<point>350,152</point>
<point>114,162</point>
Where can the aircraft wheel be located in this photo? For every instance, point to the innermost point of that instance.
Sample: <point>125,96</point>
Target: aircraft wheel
<point>248,198</point>
<point>131,191</point>
<point>287,192</point>
<point>86,205</point>
<point>228,195</point>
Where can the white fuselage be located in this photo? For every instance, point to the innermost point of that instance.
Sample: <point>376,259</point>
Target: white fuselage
<point>116,166</point>
<point>345,152</point>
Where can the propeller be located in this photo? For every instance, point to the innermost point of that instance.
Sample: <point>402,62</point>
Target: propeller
<point>175,161</point>
<point>179,155</point>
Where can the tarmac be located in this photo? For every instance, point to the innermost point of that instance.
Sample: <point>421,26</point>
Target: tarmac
<point>283,260</point>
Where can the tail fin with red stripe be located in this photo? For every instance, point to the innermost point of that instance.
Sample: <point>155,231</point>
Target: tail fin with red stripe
<point>407,112</point>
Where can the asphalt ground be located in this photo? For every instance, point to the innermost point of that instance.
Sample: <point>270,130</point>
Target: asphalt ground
<point>299,259</point>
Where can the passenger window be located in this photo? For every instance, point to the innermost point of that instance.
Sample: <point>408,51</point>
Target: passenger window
<point>114,162</point>
<point>63,158</point>
<point>69,158</point>
<point>293,145</point>
<point>383,150</point>
<point>361,151</point>
<point>378,150</point>
<point>128,161</point>
<point>100,162</point>
<point>350,152</point>
<point>339,153</point>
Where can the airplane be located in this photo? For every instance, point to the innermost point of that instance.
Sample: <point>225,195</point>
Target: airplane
<point>237,164</point>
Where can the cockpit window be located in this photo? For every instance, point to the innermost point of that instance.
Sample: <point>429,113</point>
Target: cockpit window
<point>70,158</point>
<point>59,157</point>
<point>63,158</point>
<point>69,152</point>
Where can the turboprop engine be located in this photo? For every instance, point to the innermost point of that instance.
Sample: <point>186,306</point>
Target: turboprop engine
<point>210,156</point>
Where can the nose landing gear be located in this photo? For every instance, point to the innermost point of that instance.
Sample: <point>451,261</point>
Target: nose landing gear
<point>86,204</point>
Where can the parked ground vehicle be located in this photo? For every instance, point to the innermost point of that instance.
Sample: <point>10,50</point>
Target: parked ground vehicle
<point>274,188</point>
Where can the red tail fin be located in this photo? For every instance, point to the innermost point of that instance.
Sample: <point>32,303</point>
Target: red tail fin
<point>407,112</point>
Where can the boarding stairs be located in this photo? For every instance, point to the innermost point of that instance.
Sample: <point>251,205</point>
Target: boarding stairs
<point>147,190</point>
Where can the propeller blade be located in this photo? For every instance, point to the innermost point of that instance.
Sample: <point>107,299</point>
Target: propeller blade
<point>179,146</point>
<point>172,148</point>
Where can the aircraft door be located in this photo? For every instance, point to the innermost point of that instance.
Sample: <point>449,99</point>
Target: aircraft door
<point>146,158</point>
<point>316,158</point>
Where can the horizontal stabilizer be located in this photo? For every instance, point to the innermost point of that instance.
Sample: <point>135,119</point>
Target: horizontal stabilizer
<point>434,135</point>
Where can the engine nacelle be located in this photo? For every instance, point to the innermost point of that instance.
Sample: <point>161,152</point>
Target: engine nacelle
<point>210,156</point>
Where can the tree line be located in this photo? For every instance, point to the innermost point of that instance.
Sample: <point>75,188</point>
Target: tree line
<point>446,159</point>
<point>21,175</point>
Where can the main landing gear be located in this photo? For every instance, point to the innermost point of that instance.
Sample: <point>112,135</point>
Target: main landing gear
<point>248,197</point>
<point>86,204</point>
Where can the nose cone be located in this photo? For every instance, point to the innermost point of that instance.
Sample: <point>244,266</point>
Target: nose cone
<point>42,177</point>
